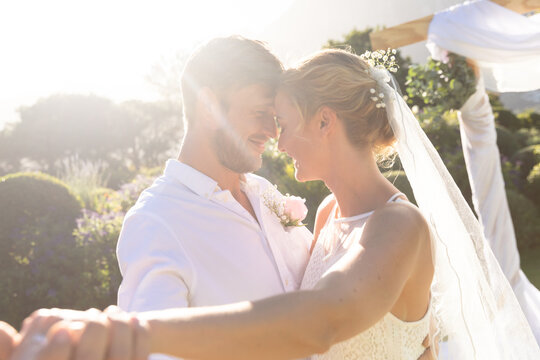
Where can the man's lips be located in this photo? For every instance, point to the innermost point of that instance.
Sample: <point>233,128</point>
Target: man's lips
<point>259,143</point>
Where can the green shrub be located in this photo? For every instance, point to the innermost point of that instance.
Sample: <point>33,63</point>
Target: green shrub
<point>528,136</point>
<point>96,236</point>
<point>507,119</point>
<point>506,141</point>
<point>441,86</point>
<point>526,158</point>
<point>455,164</point>
<point>83,177</point>
<point>532,187</point>
<point>38,255</point>
<point>525,217</point>
<point>443,132</point>
<point>529,119</point>
<point>105,200</point>
<point>399,179</point>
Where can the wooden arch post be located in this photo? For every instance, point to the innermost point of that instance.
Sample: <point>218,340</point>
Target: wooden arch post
<point>417,30</point>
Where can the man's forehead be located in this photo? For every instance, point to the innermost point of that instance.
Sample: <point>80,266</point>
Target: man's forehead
<point>255,94</point>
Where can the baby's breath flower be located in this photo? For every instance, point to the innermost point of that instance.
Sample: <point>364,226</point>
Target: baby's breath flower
<point>381,59</point>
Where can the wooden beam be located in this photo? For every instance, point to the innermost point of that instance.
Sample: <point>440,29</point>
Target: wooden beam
<point>414,31</point>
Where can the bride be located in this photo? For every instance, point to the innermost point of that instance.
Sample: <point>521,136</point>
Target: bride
<point>383,273</point>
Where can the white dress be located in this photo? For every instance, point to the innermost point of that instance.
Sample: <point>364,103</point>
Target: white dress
<point>390,338</point>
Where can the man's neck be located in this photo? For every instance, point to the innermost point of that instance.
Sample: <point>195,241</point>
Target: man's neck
<point>198,154</point>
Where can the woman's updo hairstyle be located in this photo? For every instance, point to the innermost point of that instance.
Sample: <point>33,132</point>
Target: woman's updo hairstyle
<point>340,80</point>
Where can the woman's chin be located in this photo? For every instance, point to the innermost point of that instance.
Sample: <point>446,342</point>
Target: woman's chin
<point>300,176</point>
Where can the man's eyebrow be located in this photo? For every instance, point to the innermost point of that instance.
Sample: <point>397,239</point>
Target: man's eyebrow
<point>266,104</point>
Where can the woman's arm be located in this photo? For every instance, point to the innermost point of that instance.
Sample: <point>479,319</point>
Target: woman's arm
<point>352,296</point>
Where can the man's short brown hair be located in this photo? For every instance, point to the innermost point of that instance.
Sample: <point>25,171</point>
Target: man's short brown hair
<point>225,64</point>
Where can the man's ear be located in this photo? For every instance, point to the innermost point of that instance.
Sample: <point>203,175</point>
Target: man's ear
<point>208,108</point>
<point>327,119</point>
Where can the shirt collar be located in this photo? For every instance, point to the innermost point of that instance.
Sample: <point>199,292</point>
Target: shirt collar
<point>195,180</point>
<point>200,183</point>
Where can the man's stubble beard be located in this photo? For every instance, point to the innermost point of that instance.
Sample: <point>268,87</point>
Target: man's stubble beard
<point>233,152</point>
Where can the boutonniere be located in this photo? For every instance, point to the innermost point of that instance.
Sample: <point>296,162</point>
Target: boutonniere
<point>290,210</point>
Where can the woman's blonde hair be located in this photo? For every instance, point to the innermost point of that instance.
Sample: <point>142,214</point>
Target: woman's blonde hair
<point>340,80</point>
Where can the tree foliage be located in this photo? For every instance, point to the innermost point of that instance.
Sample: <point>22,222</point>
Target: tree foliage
<point>359,42</point>
<point>125,136</point>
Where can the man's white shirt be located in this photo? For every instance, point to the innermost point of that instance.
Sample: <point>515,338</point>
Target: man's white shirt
<point>188,243</point>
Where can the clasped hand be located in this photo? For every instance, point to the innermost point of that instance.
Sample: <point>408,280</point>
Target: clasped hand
<point>68,334</point>
<point>57,334</point>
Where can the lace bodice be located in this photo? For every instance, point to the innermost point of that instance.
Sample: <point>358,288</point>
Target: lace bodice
<point>390,338</point>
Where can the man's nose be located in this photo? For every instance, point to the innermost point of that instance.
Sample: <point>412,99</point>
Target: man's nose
<point>270,127</point>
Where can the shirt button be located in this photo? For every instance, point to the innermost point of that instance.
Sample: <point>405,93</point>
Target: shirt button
<point>286,281</point>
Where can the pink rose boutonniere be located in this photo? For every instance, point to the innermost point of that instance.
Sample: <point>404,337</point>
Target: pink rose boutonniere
<point>290,210</point>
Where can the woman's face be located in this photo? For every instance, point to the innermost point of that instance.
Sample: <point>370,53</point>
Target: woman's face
<point>299,139</point>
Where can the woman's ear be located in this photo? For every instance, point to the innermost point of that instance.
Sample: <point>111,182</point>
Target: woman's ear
<point>327,120</point>
<point>208,109</point>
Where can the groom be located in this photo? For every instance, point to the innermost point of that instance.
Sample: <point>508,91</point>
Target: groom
<point>201,235</point>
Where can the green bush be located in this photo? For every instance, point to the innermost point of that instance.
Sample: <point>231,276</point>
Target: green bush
<point>506,141</point>
<point>441,86</point>
<point>455,163</point>
<point>526,158</point>
<point>443,132</point>
<point>507,119</point>
<point>38,255</point>
<point>399,179</point>
<point>528,136</point>
<point>529,119</point>
<point>96,236</point>
<point>532,187</point>
<point>525,217</point>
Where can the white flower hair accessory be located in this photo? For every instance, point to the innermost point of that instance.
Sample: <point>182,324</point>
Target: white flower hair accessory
<point>290,210</point>
<point>379,62</point>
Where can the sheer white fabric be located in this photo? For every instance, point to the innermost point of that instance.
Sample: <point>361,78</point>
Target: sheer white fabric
<point>472,302</point>
<point>504,44</point>
<point>390,338</point>
<point>479,141</point>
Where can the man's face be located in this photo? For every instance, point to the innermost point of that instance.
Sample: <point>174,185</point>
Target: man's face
<point>248,124</point>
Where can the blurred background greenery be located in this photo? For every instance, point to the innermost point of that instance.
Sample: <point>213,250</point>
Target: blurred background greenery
<point>74,164</point>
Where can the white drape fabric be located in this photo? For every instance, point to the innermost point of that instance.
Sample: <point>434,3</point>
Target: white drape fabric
<point>473,303</point>
<point>479,141</point>
<point>504,44</point>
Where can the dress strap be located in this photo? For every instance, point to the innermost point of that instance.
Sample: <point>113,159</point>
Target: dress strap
<point>395,196</point>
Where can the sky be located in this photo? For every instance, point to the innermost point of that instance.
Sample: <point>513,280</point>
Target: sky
<point>107,48</point>
<point>110,47</point>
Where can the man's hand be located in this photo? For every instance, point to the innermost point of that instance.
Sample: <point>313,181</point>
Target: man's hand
<point>67,334</point>
<point>8,338</point>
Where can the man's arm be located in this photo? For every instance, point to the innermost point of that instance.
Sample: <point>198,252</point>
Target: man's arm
<point>157,274</point>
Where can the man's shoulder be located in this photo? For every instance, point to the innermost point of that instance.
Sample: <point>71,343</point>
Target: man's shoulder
<point>262,183</point>
<point>258,179</point>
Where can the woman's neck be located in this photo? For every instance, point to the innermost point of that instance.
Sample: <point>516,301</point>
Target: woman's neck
<point>356,182</point>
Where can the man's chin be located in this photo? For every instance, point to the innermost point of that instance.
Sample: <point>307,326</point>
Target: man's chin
<point>248,165</point>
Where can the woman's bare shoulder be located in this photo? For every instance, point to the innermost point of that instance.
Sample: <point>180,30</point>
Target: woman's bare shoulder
<point>403,217</point>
